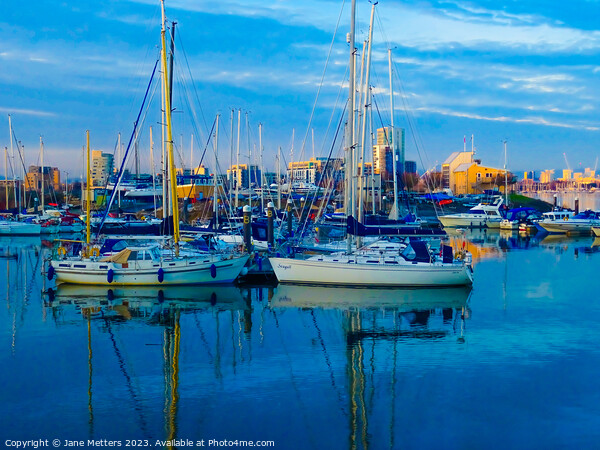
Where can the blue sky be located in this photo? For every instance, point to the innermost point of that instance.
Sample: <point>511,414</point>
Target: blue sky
<point>524,71</point>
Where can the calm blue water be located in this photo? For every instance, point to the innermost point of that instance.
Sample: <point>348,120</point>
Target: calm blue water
<point>566,199</point>
<point>514,363</point>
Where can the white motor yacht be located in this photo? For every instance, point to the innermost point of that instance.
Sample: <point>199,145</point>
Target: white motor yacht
<point>483,215</point>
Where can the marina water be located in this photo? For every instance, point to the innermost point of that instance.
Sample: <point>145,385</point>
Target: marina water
<point>512,363</point>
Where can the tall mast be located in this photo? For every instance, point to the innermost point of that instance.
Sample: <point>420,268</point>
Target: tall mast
<point>231,156</point>
<point>505,177</point>
<point>81,178</point>
<point>173,177</point>
<point>191,154</point>
<point>392,139</point>
<point>290,181</point>
<point>350,148</point>
<point>365,106</point>
<point>24,190</point>
<point>12,155</point>
<point>215,205</point>
<point>279,178</point>
<point>120,162</point>
<point>6,175</point>
<point>163,157</point>
<point>170,90</point>
<point>42,161</point>
<point>262,187</point>
<point>371,151</point>
<point>238,177</point>
<point>153,170</point>
<point>249,162</point>
<point>88,206</point>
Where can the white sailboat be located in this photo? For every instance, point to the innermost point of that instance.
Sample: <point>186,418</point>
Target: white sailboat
<point>386,264</point>
<point>399,266</point>
<point>147,265</point>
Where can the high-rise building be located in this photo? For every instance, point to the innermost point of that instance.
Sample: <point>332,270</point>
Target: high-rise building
<point>383,161</point>
<point>101,167</point>
<point>410,166</point>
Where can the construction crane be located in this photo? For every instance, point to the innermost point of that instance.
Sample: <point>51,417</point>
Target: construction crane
<point>567,162</point>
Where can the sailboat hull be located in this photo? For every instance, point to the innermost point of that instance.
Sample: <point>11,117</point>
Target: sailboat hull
<point>8,228</point>
<point>183,271</point>
<point>300,271</point>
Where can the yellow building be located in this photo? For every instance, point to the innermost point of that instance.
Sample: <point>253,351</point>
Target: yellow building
<point>101,167</point>
<point>471,178</point>
<point>51,177</point>
<point>547,176</point>
<point>196,191</point>
<point>449,167</point>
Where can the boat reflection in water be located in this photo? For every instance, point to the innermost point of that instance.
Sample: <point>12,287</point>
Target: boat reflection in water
<point>343,351</point>
<point>400,299</point>
<point>379,327</point>
<point>130,301</point>
<point>161,307</point>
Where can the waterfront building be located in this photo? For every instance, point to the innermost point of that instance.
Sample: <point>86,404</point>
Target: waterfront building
<point>547,176</point>
<point>315,170</point>
<point>101,167</point>
<point>473,178</point>
<point>241,174</point>
<point>449,166</point>
<point>195,171</point>
<point>195,187</point>
<point>50,175</point>
<point>567,174</point>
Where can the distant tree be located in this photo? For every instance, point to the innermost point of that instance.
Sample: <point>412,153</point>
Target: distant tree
<point>433,180</point>
<point>410,180</point>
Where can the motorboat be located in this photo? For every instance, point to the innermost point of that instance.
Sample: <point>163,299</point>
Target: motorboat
<point>517,216</point>
<point>562,222</point>
<point>483,215</point>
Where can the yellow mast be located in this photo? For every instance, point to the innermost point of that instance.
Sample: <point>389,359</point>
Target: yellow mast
<point>172,172</point>
<point>87,192</point>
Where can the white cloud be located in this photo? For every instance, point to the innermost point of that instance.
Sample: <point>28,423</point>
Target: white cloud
<point>416,26</point>
<point>523,120</point>
<point>26,112</point>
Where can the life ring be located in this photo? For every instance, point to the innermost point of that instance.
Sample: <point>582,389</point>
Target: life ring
<point>566,218</point>
<point>61,251</point>
<point>95,252</point>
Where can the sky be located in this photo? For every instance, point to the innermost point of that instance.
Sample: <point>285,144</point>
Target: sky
<point>525,72</point>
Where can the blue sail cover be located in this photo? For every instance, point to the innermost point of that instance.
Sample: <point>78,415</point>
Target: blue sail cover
<point>355,228</point>
<point>520,213</point>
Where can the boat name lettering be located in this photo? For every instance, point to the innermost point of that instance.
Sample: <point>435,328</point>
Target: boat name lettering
<point>284,266</point>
